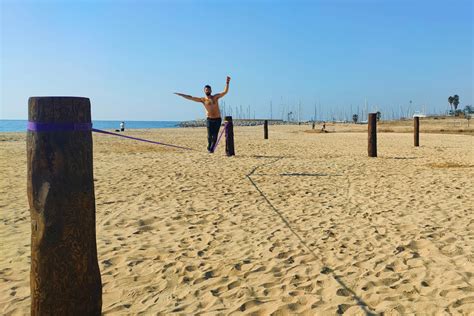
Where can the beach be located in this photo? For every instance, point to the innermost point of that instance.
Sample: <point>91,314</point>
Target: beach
<point>302,223</point>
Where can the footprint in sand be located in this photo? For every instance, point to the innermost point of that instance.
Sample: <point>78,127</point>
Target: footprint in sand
<point>343,292</point>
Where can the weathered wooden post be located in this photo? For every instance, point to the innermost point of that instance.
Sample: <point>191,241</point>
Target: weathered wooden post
<point>229,136</point>
<point>417,130</point>
<point>265,129</point>
<point>372,134</point>
<point>64,276</point>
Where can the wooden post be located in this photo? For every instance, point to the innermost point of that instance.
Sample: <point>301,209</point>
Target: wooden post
<point>417,131</point>
<point>372,134</point>
<point>65,275</point>
<point>229,137</point>
<point>265,129</point>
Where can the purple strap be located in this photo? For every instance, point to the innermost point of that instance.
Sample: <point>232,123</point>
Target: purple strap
<point>56,127</point>
<point>139,139</point>
<point>219,138</point>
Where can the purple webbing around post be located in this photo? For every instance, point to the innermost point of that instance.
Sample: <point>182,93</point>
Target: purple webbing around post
<point>58,127</point>
<point>219,138</point>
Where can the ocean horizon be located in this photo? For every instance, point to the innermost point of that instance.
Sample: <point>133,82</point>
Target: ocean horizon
<point>20,125</point>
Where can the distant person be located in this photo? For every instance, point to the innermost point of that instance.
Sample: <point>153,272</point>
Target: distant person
<point>323,129</point>
<point>122,126</point>
<point>213,113</point>
<point>314,124</point>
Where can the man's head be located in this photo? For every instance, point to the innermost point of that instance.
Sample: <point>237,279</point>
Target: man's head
<point>207,90</point>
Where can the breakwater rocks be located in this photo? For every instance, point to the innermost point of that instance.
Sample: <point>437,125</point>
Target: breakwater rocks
<point>236,122</point>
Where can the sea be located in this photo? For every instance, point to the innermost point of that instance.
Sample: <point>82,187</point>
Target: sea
<point>20,125</point>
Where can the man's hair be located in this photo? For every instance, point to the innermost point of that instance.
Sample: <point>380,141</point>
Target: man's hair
<point>207,86</point>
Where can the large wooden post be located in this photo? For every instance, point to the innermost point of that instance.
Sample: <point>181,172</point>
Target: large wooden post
<point>265,129</point>
<point>229,136</point>
<point>64,276</point>
<point>372,134</point>
<point>416,131</point>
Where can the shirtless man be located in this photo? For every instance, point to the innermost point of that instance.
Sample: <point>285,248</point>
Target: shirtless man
<point>213,113</point>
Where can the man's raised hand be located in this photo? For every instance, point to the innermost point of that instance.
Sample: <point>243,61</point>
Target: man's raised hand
<point>228,80</point>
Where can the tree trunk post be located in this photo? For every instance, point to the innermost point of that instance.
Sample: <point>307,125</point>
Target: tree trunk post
<point>229,136</point>
<point>265,129</point>
<point>416,131</point>
<point>372,134</point>
<point>65,276</point>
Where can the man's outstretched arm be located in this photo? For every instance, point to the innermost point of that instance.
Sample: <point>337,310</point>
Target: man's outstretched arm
<point>226,89</point>
<point>189,97</point>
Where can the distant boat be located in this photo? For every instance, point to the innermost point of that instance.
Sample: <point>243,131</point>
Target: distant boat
<point>419,114</point>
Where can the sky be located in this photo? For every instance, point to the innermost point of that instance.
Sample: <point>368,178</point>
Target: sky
<point>328,57</point>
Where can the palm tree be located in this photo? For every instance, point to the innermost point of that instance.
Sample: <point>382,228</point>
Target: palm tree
<point>455,102</point>
<point>450,101</point>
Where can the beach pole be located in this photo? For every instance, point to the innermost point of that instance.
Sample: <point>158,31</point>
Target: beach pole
<point>229,136</point>
<point>65,275</point>
<point>417,131</point>
<point>265,129</point>
<point>372,134</point>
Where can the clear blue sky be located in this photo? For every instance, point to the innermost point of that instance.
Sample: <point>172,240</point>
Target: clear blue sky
<point>129,57</point>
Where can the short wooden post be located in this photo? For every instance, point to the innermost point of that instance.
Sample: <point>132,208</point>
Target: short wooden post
<point>372,134</point>
<point>229,136</point>
<point>416,131</point>
<point>65,275</point>
<point>265,129</point>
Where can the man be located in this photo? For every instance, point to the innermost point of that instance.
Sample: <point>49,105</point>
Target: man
<point>122,126</point>
<point>213,113</point>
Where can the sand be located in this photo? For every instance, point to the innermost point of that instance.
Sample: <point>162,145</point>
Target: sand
<point>302,223</point>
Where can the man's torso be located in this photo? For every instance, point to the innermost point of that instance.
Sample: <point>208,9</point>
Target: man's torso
<point>212,106</point>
